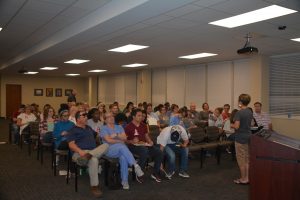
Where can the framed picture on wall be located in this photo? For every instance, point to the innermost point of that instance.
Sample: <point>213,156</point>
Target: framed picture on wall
<point>58,92</point>
<point>49,92</point>
<point>38,92</point>
<point>68,92</point>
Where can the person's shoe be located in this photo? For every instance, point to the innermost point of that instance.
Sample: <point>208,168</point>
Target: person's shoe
<point>83,161</point>
<point>125,186</point>
<point>184,174</point>
<point>169,175</point>
<point>96,191</point>
<point>156,177</point>
<point>228,150</point>
<point>138,170</point>
<point>139,179</point>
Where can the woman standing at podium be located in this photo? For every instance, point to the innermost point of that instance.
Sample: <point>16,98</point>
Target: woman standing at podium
<point>242,124</point>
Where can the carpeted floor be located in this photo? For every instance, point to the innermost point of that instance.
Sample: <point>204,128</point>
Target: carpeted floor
<point>22,177</point>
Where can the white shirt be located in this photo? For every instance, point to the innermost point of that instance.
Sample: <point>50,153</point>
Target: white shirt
<point>262,119</point>
<point>215,121</point>
<point>227,128</point>
<point>164,137</point>
<point>96,126</point>
<point>26,119</point>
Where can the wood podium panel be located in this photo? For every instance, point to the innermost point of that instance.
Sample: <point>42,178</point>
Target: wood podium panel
<point>274,168</point>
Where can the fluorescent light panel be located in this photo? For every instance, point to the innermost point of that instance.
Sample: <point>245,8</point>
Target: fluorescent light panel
<point>30,72</point>
<point>135,65</point>
<point>98,70</point>
<point>48,68</point>
<point>72,74</point>
<point>254,16</point>
<point>128,48</point>
<point>296,39</point>
<point>199,55</point>
<point>77,61</point>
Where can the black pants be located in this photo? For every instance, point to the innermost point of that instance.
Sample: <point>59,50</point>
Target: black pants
<point>144,152</point>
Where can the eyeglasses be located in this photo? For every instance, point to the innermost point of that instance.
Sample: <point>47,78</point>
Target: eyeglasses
<point>83,115</point>
<point>65,115</point>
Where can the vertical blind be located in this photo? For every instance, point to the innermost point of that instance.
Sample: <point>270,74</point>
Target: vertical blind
<point>285,85</point>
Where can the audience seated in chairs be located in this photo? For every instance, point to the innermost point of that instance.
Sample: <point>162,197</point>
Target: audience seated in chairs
<point>114,108</point>
<point>193,114</point>
<point>226,114</point>
<point>81,139</point>
<point>73,111</point>
<point>151,116</point>
<point>14,127</point>
<point>60,131</point>
<point>203,115</point>
<point>216,119</point>
<point>46,126</point>
<point>102,111</point>
<point>115,136</point>
<point>23,121</point>
<point>175,115</point>
<point>140,144</point>
<point>169,141</point>
<point>94,120</point>
<point>164,119</point>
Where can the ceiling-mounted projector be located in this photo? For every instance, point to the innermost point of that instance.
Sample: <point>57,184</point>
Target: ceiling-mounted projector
<point>22,71</point>
<point>247,49</point>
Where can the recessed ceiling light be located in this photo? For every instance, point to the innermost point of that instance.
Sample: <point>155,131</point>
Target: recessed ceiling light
<point>254,16</point>
<point>98,70</point>
<point>76,61</point>
<point>48,68</point>
<point>135,65</point>
<point>199,55</point>
<point>72,74</point>
<point>30,72</point>
<point>296,39</point>
<point>128,48</point>
<point>0,28</point>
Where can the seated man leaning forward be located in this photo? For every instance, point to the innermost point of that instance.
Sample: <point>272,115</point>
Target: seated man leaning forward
<point>81,140</point>
<point>115,136</point>
<point>169,140</point>
<point>139,143</point>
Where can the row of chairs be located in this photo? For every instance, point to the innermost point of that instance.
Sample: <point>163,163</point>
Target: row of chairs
<point>201,140</point>
<point>35,138</point>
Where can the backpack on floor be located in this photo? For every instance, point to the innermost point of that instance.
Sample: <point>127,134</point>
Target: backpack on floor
<point>114,176</point>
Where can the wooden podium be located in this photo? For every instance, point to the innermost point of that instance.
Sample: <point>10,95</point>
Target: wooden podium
<point>274,168</point>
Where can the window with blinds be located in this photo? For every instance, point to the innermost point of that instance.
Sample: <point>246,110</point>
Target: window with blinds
<point>285,85</point>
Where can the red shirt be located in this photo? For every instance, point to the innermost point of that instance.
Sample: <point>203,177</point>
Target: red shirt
<point>225,115</point>
<point>140,131</point>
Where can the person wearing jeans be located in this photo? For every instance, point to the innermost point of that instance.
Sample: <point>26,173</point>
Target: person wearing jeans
<point>169,141</point>
<point>140,144</point>
<point>115,136</point>
<point>81,140</point>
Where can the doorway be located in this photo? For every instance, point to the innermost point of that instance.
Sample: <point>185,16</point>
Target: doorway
<point>13,98</point>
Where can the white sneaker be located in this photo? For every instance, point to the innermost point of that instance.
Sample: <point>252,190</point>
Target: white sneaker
<point>184,174</point>
<point>125,186</point>
<point>169,175</point>
<point>138,170</point>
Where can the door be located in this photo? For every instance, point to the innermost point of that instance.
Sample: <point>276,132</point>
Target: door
<point>13,98</point>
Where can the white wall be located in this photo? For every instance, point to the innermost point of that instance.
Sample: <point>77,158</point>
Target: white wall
<point>117,87</point>
<point>216,83</point>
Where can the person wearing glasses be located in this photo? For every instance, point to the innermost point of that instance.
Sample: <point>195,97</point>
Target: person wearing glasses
<point>81,140</point>
<point>61,129</point>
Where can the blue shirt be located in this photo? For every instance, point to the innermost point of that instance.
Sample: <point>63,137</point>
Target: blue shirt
<point>59,127</point>
<point>111,132</point>
<point>174,120</point>
<point>84,137</point>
